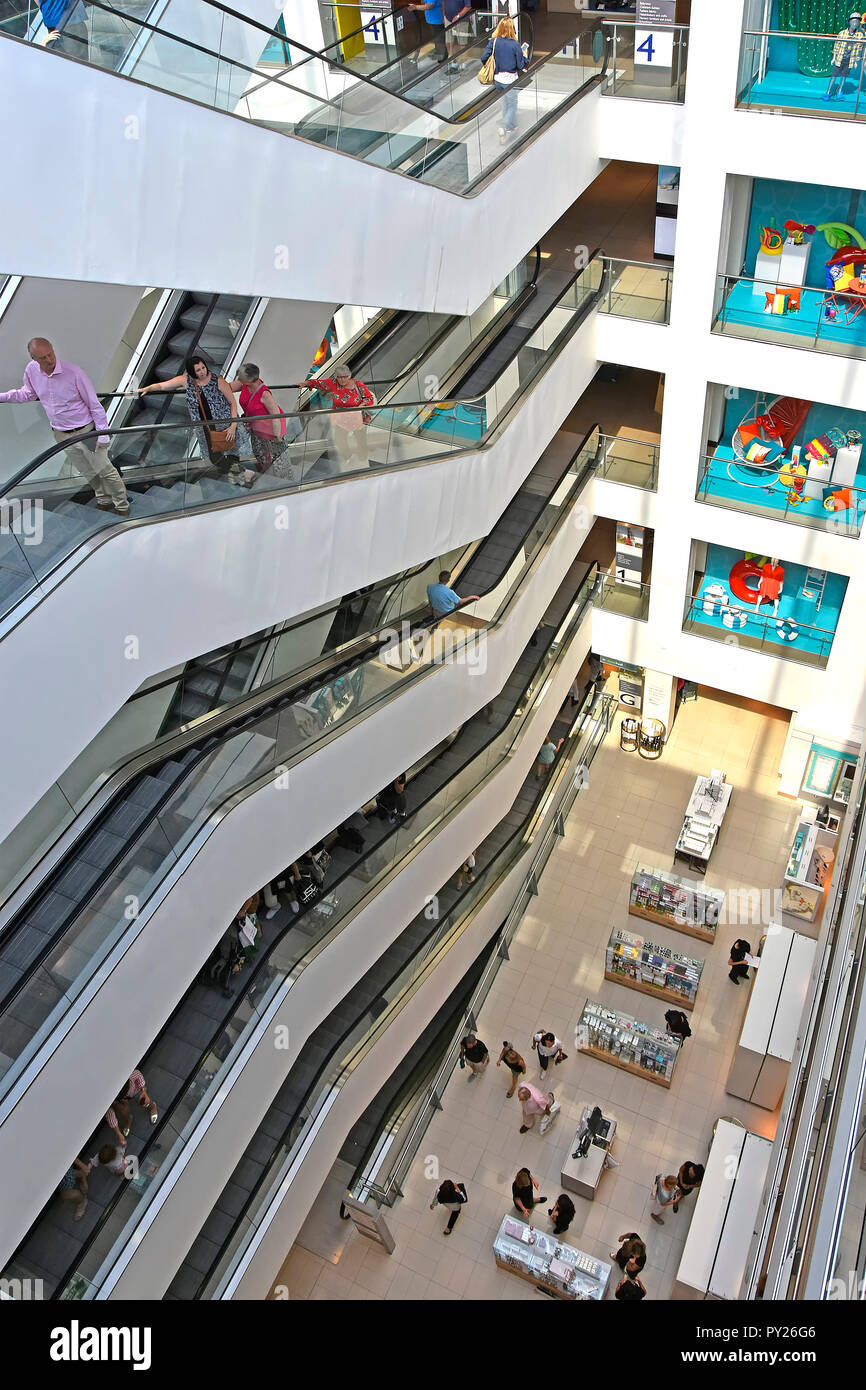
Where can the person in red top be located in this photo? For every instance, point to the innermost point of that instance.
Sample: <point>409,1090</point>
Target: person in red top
<point>770,585</point>
<point>350,418</point>
<point>267,436</point>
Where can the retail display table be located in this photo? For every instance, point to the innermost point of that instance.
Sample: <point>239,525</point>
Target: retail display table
<point>675,902</point>
<point>645,965</point>
<point>549,1263</point>
<point>765,1047</point>
<point>726,1208</point>
<point>582,1175</point>
<point>626,1042</point>
<point>703,820</point>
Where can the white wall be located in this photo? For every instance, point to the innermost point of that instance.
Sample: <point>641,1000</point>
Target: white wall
<point>232,1119</point>
<point>248,573</point>
<point>307,223</point>
<point>236,853</point>
<point>286,340</point>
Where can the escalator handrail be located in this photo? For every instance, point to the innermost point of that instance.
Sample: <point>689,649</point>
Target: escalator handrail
<point>263,958</point>
<point>128,430</point>
<point>486,873</point>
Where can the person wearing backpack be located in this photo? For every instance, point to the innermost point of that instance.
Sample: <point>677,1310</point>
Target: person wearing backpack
<point>509,60</point>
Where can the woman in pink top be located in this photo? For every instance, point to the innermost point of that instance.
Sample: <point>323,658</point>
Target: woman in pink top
<point>268,437</point>
<point>350,417</point>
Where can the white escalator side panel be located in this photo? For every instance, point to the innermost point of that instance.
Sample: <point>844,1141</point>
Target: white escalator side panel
<point>134,175</point>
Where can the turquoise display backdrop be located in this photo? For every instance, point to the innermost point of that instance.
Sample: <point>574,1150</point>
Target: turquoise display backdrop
<point>774,201</point>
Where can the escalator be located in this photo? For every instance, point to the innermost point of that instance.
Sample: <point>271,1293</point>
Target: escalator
<point>199,1035</point>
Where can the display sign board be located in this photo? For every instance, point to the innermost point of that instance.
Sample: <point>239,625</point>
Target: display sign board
<point>653,48</point>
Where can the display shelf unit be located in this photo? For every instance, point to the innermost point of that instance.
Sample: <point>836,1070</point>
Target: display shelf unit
<point>680,903</point>
<point>768,1037</point>
<point>655,970</point>
<point>715,1254</point>
<point>625,1042</point>
<point>549,1263</point>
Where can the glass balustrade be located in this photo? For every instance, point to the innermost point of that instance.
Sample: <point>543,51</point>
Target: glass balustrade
<point>818,320</point>
<point>646,63</point>
<point>789,72</point>
<point>633,462</point>
<point>631,600</point>
<point>764,633</point>
<point>637,290</point>
<point>763,493</point>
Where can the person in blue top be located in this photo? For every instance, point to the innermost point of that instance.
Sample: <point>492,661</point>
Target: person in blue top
<point>436,21</point>
<point>509,60</point>
<point>444,600</point>
<point>66,22</point>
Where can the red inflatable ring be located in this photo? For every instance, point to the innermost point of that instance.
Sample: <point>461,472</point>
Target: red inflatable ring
<point>740,574</point>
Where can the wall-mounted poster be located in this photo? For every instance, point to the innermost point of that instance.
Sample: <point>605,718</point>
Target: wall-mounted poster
<point>667,198</point>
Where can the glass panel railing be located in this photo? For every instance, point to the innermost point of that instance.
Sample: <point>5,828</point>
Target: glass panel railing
<point>742,487</point>
<point>633,462</point>
<point>795,316</point>
<point>35,1000</point>
<point>647,63</point>
<point>803,73</point>
<point>170,469</point>
<point>763,633</point>
<point>355,1046</point>
<point>363,120</point>
<point>637,290</point>
<point>632,600</point>
<point>295,949</point>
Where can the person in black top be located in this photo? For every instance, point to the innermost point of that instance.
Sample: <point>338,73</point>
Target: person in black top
<point>391,802</point>
<point>562,1214</point>
<point>631,1255</point>
<point>451,1195</point>
<point>515,1064</point>
<point>678,1024</point>
<point>690,1177</point>
<point>739,970</point>
<point>473,1051</point>
<point>630,1290</point>
<point>523,1191</point>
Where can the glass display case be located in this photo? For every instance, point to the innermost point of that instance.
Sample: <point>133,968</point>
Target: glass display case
<point>653,969</point>
<point>547,1261</point>
<point>686,906</point>
<point>625,1042</point>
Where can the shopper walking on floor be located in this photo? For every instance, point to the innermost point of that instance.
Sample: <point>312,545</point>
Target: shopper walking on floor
<point>665,1193</point>
<point>548,1046</point>
<point>514,1063</point>
<point>66,394</point>
<point>432,11</point>
<point>689,1179</point>
<point>452,1196</point>
<point>456,11</point>
<point>212,406</point>
<point>473,1051</point>
<point>630,1289</point>
<point>631,1255</point>
<point>739,969</point>
<point>523,1191</point>
<point>561,1213</point>
<point>509,60</point>
<point>677,1024</point>
<point>533,1102</point>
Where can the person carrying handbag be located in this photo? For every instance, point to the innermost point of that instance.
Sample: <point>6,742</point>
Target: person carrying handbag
<point>212,405</point>
<point>508,59</point>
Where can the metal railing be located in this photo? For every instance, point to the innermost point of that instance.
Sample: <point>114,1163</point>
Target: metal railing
<point>716,478</point>
<point>632,462</point>
<point>798,641</point>
<point>825,321</point>
<point>631,600</point>
<point>637,290</point>
<point>653,71</point>
<point>594,720</point>
<point>763,84</point>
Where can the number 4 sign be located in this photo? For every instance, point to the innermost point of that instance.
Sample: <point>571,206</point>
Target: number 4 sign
<point>653,46</point>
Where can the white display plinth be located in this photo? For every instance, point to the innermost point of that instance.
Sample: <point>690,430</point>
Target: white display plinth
<point>726,1209</point>
<point>788,268</point>
<point>768,1036</point>
<point>845,465</point>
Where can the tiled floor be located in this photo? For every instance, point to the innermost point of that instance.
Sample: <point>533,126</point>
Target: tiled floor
<point>630,812</point>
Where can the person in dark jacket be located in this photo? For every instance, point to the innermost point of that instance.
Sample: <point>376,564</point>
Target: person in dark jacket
<point>451,1195</point>
<point>678,1024</point>
<point>561,1214</point>
<point>631,1255</point>
<point>391,802</point>
<point>509,60</point>
<point>689,1178</point>
<point>630,1290</point>
<point>523,1191</point>
<point>739,969</point>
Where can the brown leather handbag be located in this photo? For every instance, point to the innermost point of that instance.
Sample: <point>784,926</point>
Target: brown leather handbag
<point>218,440</point>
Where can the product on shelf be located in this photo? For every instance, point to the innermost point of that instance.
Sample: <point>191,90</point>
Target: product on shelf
<point>559,1267</point>
<point>625,1041</point>
<point>678,902</point>
<point>643,964</point>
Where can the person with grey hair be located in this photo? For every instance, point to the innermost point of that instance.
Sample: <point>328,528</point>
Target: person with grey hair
<point>267,436</point>
<point>350,415</point>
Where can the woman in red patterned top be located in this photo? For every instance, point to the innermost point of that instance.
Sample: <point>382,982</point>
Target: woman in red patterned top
<point>349,418</point>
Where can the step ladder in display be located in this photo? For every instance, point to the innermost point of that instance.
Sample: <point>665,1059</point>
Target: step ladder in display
<point>813,587</point>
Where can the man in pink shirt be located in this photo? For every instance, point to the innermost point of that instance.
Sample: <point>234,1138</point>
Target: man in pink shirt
<point>534,1102</point>
<point>67,396</point>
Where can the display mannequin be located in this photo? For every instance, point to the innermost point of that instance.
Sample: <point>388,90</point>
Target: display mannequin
<point>847,52</point>
<point>770,586</point>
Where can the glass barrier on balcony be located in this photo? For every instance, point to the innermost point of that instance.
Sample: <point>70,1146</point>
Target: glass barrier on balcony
<point>294,949</point>
<point>637,290</point>
<point>762,492</point>
<point>307,100</point>
<point>53,968</point>
<point>803,73</point>
<point>354,1047</point>
<point>632,600</point>
<point>800,641</point>
<point>819,320</point>
<point>633,462</point>
<point>170,469</point>
<point>655,70</point>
